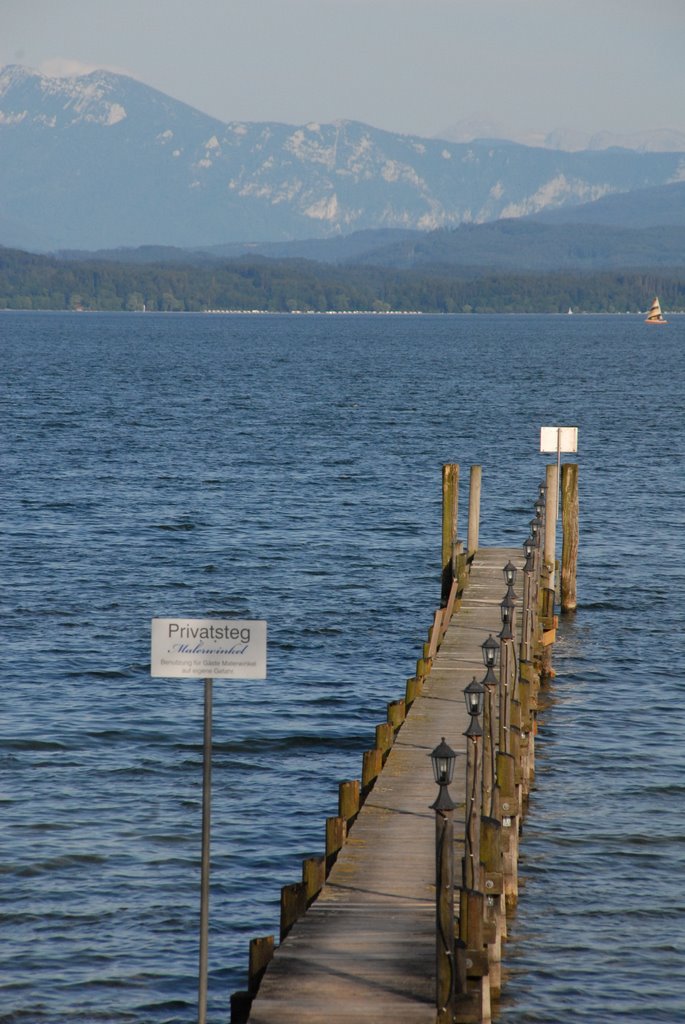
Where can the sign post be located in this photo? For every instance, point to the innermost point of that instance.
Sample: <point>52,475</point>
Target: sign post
<point>558,439</point>
<point>207,649</point>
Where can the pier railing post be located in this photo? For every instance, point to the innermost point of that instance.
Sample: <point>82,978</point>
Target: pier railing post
<point>569,549</point>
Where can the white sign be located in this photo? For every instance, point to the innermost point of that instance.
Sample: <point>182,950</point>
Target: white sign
<point>208,649</point>
<point>558,439</point>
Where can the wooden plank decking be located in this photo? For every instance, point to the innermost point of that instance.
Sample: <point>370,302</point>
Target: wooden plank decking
<point>365,950</point>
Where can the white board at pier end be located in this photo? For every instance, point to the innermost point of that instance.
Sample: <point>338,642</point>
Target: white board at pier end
<point>558,439</point>
<point>208,649</point>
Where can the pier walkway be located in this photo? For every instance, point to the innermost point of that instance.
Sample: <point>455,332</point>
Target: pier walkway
<point>365,950</point>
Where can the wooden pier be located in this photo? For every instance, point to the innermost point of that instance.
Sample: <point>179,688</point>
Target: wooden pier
<point>358,933</point>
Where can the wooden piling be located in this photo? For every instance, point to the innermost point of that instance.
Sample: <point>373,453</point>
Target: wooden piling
<point>385,735</point>
<point>336,830</point>
<point>293,905</point>
<point>240,1006</point>
<point>551,516</point>
<point>372,763</point>
<point>569,548</point>
<point>412,690</point>
<point>261,952</point>
<point>396,713</point>
<point>313,876</point>
<point>472,539</point>
<point>348,800</point>
<point>450,506</point>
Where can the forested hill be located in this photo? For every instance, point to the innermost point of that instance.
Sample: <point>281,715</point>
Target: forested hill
<point>30,281</point>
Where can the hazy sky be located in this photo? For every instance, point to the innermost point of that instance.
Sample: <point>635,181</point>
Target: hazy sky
<point>413,66</point>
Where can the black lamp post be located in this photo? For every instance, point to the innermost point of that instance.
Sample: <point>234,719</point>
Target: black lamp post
<point>490,649</point>
<point>507,608</point>
<point>443,758</point>
<point>535,528</point>
<point>474,695</point>
<point>528,591</point>
<point>510,572</point>
<point>507,670</point>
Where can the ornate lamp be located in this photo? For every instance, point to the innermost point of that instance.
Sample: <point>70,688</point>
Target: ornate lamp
<point>510,572</point>
<point>443,758</point>
<point>507,614</point>
<point>490,649</point>
<point>474,695</point>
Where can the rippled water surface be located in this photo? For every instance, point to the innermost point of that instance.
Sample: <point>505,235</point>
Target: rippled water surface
<point>288,468</point>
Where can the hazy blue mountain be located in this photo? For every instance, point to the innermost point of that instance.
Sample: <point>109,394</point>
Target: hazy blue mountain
<point>103,161</point>
<point>655,140</point>
<point>529,245</point>
<point>643,208</point>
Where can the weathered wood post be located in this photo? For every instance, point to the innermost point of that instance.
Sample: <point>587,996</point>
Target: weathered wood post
<point>549,538</point>
<point>349,793</point>
<point>313,876</point>
<point>293,905</point>
<point>336,832</point>
<point>260,955</point>
<point>569,548</point>
<point>473,534</point>
<point>450,509</point>
<point>548,556</point>
<point>372,762</point>
<point>551,509</point>
<point>397,712</point>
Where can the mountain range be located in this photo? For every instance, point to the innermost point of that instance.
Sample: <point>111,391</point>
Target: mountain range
<point>653,140</point>
<point>102,161</point>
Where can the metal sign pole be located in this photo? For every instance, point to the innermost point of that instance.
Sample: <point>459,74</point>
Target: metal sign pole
<point>204,880</point>
<point>558,439</point>
<point>207,649</point>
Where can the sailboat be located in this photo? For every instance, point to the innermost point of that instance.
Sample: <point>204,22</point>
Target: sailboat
<point>655,316</point>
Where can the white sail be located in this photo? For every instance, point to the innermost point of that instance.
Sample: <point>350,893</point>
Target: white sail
<point>655,316</point>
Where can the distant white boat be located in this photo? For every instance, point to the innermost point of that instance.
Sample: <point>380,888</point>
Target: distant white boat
<point>570,311</point>
<point>655,315</point>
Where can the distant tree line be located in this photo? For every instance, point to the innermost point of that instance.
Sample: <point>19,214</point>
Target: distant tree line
<point>29,281</point>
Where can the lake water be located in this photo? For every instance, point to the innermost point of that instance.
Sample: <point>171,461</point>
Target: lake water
<point>288,468</point>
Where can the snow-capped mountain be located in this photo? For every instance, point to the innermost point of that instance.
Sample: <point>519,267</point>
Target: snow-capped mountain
<point>101,160</point>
